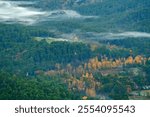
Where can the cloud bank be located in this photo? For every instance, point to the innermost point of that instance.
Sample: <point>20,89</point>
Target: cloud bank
<point>122,35</point>
<point>127,35</point>
<point>66,14</point>
<point>14,11</point>
<point>106,35</point>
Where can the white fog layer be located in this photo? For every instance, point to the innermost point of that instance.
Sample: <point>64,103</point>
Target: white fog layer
<point>11,12</point>
<point>128,34</point>
<point>122,35</point>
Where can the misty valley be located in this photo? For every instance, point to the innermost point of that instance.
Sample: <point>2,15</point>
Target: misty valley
<point>74,50</point>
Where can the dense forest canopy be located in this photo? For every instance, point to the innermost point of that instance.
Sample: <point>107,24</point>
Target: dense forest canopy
<point>75,49</point>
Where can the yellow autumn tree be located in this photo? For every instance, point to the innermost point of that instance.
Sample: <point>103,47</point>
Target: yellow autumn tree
<point>129,60</point>
<point>138,59</point>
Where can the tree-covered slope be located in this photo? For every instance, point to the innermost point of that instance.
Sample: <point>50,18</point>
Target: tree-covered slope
<point>112,15</point>
<point>69,49</point>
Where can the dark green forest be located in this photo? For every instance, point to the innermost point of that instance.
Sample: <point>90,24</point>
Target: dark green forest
<point>71,58</point>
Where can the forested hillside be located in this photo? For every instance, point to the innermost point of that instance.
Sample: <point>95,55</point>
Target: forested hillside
<point>75,49</point>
